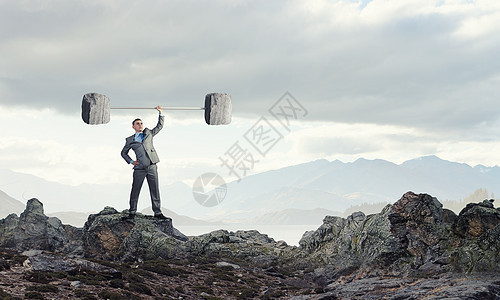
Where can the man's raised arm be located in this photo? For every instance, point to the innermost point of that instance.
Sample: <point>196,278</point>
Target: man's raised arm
<point>161,121</point>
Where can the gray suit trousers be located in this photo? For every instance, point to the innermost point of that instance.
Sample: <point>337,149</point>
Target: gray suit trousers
<point>151,174</point>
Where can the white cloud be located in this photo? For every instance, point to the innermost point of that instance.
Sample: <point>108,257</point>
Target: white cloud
<point>380,79</point>
<point>480,20</point>
<point>348,142</point>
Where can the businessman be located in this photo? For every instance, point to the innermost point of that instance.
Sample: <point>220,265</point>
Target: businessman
<point>144,164</point>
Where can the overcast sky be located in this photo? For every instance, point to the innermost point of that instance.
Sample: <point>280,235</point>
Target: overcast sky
<point>379,79</point>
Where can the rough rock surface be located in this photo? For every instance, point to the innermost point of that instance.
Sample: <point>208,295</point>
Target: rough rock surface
<point>413,237</point>
<point>474,245</point>
<point>476,219</point>
<point>243,246</point>
<point>34,230</point>
<point>218,109</point>
<point>47,276</point>
<point>50,262</point>
<point>412,249</point>
<point>95,109</point>
<point>449,286</point>
<point>107,236</point>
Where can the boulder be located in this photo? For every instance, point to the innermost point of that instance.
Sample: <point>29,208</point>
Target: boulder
<point>414,236</point>
<point>34,230</point>
<point>49,262</point>
<point>107,235</point>
<point>417,223</point>
<point>240,245</point>
<point>476,219</point>
<point>7,231</point>
<point>475,243</point>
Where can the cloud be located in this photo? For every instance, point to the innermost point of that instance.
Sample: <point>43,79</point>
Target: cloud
<point>348,142</point>
<point>432,65</point>
<point>62,148</point>
<point>60,162</point>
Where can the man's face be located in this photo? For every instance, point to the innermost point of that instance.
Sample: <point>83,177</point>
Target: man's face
<point>138,126</point>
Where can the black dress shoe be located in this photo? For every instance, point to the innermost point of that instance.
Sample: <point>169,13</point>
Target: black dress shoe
<point>129,217</point>
<point>161,217</point>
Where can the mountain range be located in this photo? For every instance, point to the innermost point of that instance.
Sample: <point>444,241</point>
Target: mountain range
<point>289,192</point>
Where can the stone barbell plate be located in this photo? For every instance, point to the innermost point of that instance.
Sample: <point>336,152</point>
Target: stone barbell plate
<point>95,109</point>
<point>218,109</point>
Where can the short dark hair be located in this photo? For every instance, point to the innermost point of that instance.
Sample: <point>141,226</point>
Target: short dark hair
<point>133,122</point>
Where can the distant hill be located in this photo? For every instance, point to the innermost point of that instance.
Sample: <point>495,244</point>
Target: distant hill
<point>9,205</point>
<point>337,186</point>
<point>331,185</point>
<point>58,197</point>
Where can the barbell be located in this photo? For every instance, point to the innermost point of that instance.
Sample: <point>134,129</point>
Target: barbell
<point>218,108</point>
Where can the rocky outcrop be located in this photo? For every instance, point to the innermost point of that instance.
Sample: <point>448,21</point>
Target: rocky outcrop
<point>244,246</point>
<point>38,260</point>
<point>107,236</point>
<point>7,231</point>
<point>476,219</point>
<point>352,242</point>
<point>34,230</point>
<point>474,245</point>
<point>413,237</point>
<point>389,254</point>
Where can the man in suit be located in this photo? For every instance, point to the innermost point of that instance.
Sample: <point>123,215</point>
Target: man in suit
<point>144,164</point>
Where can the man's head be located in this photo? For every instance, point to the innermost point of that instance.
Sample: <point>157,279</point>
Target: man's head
<point>137,125</point>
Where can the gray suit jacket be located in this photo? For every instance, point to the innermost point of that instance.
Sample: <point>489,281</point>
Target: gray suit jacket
<point>145,153</point>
